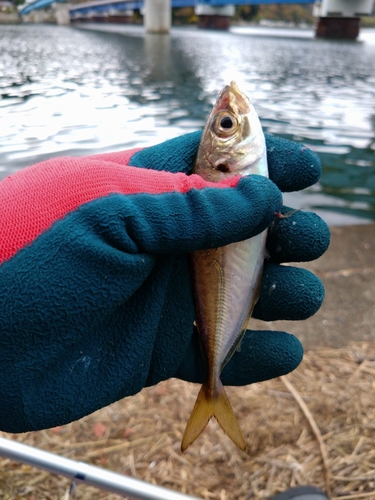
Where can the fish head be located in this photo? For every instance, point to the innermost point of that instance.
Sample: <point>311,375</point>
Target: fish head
<point>233,141</point>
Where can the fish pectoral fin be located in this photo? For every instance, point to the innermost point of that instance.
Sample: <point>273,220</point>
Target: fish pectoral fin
<point>205,408</point>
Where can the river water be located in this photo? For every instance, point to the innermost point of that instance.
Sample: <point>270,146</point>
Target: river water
<point>72,91</point>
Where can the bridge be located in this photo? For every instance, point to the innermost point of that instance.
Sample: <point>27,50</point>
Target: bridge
<point>139,4</point>
<point>335,18</point>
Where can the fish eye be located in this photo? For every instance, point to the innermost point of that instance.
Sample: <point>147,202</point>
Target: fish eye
<point>225,124</point>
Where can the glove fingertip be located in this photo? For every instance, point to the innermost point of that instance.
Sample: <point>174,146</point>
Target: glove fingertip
<point>292,166</point>
<point>288,293</point>
<point>300,237</point>
<point>263,355</point>
<point>266,200</point>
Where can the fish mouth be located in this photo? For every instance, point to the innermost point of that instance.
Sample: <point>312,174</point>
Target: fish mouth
<point>233,100</point>
<point>242,101</point>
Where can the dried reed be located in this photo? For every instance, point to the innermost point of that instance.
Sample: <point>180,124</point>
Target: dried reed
<point>317,426</point>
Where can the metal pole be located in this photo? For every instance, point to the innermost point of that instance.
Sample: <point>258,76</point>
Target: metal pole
<point>88,474</point>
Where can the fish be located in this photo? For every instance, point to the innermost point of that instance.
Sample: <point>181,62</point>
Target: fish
<point>226,280</point>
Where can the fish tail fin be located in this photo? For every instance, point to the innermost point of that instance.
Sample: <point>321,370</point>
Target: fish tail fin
<point>199,418</point>
<point>206,407</point>
<point>227,419</point>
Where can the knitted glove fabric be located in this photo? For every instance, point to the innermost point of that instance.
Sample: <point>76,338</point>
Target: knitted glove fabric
<point>95,297</point>
<point>287,293</point>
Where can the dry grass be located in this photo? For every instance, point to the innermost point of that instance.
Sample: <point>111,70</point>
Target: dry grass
<point>315,427</point>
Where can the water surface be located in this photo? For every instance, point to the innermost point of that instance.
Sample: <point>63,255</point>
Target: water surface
<point>70,91</point>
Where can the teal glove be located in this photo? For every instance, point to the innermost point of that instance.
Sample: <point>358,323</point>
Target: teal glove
<point>287,293</point>
<point>95,296</point>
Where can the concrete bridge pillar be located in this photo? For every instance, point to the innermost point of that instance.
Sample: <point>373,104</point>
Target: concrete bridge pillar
<point>157,16</point>
<point>340,19</point>
<point>62,13</point>
<point>210,17</point>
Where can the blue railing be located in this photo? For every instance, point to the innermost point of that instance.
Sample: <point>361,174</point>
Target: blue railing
<point>90,8</point>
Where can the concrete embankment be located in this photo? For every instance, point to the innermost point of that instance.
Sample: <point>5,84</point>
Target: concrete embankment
<point>9,18</point>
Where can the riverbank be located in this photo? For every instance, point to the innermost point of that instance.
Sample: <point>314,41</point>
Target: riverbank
<point>347,271</point>
<point>282,451</point>
<point>9,18</point>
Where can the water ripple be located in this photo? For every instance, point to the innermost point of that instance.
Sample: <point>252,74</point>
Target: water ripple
<point>76,92</point>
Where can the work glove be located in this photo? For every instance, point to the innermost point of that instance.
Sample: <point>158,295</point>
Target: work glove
<point>95,293</point>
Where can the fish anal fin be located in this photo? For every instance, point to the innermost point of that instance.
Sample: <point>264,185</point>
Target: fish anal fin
<point>208,406</point>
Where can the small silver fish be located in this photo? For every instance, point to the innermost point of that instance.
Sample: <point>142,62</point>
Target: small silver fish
<point>226,280</point>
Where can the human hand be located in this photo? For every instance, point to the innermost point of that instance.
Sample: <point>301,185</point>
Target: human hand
<point>287,293</point>
<point>95,297</point>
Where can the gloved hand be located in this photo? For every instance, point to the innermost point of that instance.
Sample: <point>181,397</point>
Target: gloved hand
<point>95,296</point>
